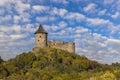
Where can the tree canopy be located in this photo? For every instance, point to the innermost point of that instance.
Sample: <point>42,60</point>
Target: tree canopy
<point>55,64</point>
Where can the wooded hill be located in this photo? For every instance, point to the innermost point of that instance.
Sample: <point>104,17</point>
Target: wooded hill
<point>55,64</point>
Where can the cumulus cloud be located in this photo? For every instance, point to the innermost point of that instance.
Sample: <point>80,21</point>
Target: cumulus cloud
<point>2,3</point>
<point>108,1</point>
<point>61,12</point>
<point>102,12</point>
<point>75,16</point>
<point>40,8</point>
<point>9,29</point>
<point>114,44</point>
<point>17,36</point>
<point>112,5</point>
<point>5,19</point>
<point>15,48</point>
<point>98,21</point>
<point>98,47</point>
<point>16,19</point>
<point>96,36</point>
<point>20,7</point>
<point>43,19</point>
<point>2,11</point>
<point>117,5</point>
<point>60,1</point>
<point>116,15</point>
<point>90,7</point>
<point>81,30</point>
<point>62,24</point>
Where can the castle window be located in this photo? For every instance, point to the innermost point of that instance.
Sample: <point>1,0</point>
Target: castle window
<point>40,36</point>
<point>38,40</point>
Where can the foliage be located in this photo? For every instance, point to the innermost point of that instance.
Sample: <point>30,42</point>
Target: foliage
<point>1,60</point>
<point>55,64</point>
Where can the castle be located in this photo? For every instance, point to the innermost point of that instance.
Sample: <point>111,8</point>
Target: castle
<point>41,41</point>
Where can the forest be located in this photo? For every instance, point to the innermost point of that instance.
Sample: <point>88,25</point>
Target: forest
<point>56,64</point>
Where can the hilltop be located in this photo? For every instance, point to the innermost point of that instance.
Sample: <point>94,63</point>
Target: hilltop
<point>56,64</point>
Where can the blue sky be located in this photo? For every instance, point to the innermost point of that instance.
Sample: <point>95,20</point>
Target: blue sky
<point>94,25</point>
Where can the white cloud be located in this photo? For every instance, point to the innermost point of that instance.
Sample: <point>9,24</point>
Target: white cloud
<point>54,28</point>
<point>112,5</point>
<point>20,7</point>
<point>61,12</point>
<point>42,19</point>
<point>62,24</point>
<point>60,1</point>
<point>2,3</point>
<point>102,12</point>
<point>116,15</point>
<point>14,10</point>
<point>98,21</point>
<point>21,43</point>
<point>16,19</point>
<point>6,39</point>
<point>9,29</point>
<point>14,48</point>
<point>40,8</point>
<point>29,28</point>
<point>2,11</point>
<point>17,36</point>
<point>52,18</point>
<point>80,29</point>
<point>90,7</point>
<point>117,5</point>
<point>114,44</point>
<point>6,18</point>
<point>98,47</point>
<point>23,18</point>
<point>75,16</point>
<point>108,1</point>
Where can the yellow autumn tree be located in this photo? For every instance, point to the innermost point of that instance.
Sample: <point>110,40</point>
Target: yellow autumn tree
<point>108,76</point>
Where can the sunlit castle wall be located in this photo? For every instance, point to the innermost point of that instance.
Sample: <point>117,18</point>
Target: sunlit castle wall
<point>68,46</point>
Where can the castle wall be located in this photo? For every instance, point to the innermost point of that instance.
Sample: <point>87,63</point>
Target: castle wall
<point>68,46</point>
<point>41,40</point>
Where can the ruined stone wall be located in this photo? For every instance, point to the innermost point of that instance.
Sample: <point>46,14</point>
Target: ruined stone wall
<point>68,46</point>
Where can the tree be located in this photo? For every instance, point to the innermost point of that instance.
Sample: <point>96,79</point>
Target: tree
<point>108,76</point>
<point>25,60</point>
<point>1,60</point>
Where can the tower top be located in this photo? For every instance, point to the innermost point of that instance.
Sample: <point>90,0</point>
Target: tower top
<point>40,30</point>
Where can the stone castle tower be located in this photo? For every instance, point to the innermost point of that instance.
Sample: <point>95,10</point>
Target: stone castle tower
<point>41,42</point>
<point>41,37</point>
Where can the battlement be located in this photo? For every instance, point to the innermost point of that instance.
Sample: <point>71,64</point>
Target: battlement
<point>68,46</point>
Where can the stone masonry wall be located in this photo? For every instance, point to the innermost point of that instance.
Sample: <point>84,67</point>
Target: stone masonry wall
<point>68,46</point>
<point>41,40</point>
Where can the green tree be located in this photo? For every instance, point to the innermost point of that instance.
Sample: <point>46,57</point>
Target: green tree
<point>1,60</point>
<point>25,60</point>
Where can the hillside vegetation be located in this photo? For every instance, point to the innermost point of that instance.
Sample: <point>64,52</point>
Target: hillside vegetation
<point>55,64</point>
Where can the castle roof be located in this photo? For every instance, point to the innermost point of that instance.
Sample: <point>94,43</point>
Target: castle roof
<point>40,30</point>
